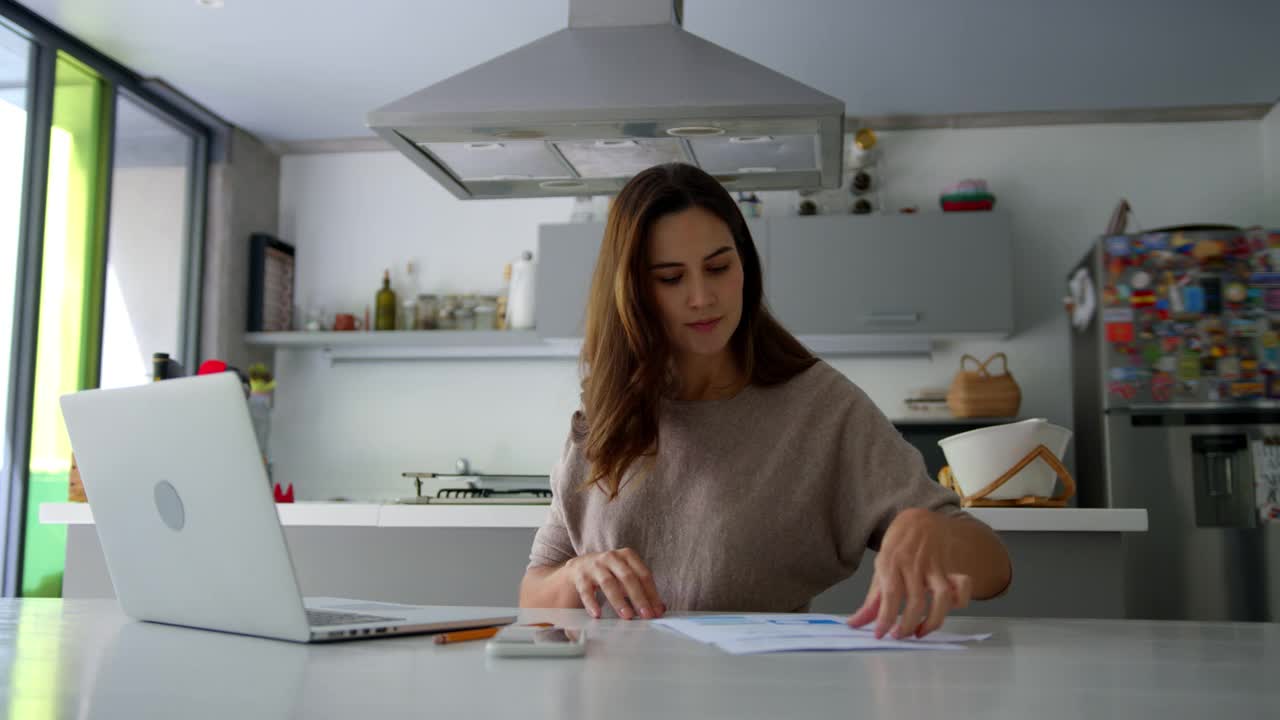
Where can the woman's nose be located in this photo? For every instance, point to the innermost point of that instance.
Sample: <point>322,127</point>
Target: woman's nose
<point>700,293</point>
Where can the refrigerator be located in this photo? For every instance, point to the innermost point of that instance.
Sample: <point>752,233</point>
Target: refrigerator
<point>1175,358</point>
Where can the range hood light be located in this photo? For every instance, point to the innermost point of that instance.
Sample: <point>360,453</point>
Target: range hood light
<point>695,131</point>
<point>562,185</point>
<point>484,146</point>
<point>520,135</point>
<point>613,144</point>
<point>761,169</point>
<point>751,139</point>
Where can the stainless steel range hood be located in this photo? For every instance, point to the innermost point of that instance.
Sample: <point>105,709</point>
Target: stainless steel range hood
<point>581,110</point>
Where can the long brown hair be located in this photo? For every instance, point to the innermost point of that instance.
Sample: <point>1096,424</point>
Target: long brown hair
<point>626,356</point>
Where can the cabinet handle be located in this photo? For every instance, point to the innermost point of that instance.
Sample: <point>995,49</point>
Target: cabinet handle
<point>893,318</point>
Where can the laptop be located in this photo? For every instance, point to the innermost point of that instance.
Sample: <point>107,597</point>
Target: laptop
<point>188,523</point>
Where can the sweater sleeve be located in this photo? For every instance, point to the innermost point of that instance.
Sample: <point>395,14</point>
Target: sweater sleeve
<point>552,545</point>
<point>881,475</point>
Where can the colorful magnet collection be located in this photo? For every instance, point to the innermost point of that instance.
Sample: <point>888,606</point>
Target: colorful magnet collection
<point>1192,315</point>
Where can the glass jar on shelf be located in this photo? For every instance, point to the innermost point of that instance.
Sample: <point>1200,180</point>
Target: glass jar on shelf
<point>465,314</point>
<point>444,312</point>
<point>427,306</point>
<point>408,319</point>
<point>486,314</point>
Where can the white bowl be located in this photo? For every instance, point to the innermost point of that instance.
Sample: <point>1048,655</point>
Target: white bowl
<point>978,457</point>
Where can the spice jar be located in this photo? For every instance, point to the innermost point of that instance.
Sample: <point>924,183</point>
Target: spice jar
<point>486,315</point>
<point>464,318</point>
<point>408,319</point>
<point>444,312</point>
<point>427,312</point>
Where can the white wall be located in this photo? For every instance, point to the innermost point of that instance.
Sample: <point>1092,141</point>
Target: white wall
<point>351,429</point>
<point>1271,165</point>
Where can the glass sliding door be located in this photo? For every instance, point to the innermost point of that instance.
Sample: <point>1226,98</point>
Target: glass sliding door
<point>147,243</point>
<point>15,62</point>
<point>70,310</point>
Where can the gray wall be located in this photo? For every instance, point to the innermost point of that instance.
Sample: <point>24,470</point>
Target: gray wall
<point>244,197</point>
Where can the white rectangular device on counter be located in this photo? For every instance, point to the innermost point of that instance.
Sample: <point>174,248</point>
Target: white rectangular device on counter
<point>532,641</point>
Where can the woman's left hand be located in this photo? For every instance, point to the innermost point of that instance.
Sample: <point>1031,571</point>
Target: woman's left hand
<point>912,584</point>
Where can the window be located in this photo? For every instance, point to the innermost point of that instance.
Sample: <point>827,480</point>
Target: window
<point>70,278</point>
<point>147,242</point>
<point>15,52</point>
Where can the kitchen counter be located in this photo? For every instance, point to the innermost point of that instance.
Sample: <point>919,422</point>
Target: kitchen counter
<point>389,515</point>
<point>1066,561</point>
<point>84,658</point>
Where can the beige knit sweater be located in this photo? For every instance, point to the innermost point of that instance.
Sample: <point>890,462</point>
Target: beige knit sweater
<point>755,503</point>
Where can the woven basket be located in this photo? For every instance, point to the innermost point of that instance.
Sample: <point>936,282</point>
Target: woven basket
<point>980,393</point>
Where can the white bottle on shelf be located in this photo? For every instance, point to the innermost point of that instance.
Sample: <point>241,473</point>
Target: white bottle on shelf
<point>520,300</point>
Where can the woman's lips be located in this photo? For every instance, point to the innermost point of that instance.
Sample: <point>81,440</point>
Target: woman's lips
<point>705,326</point>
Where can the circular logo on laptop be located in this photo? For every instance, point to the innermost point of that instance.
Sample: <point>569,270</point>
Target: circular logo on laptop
<point>170,505</point>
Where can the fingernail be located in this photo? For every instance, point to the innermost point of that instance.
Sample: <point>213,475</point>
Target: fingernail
<point>646,613</point>
<point>625,613</point>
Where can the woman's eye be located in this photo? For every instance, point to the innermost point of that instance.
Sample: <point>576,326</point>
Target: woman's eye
<point>669,280</point>
<point>717,269</point>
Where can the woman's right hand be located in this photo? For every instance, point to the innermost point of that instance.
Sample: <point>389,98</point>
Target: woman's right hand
<point>623,578</point>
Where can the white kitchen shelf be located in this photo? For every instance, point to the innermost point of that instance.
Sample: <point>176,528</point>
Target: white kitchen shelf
<point>361,346</point>
<point>331,514</point>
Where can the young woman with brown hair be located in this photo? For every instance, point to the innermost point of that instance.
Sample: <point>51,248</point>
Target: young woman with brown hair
<point>716,464</point>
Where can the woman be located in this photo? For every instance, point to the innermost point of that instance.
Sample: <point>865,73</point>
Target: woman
<point>715,463</point>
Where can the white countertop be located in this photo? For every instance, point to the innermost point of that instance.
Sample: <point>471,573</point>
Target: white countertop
<point>331,514</point>
<point>84,658</point>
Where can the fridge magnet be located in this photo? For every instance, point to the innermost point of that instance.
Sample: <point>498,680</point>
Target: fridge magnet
<point>1273,386</point>
<point>1119,324</point>
<point>1271,299</point>
<point>1142,298</point>
<point>1109,295</point>
<point>1245,390</point>
<point>1115,268</point>
<point>1151,354</point>
<point>1141,280</point>
<point>1119,332</point>
<point>1123,293</point>
<point>1249,368</point>
<point>1229,367</point>
<point>1117,246</point>
<point>1167,364</point>
<point>1123,390</point>
<point>1193,299</point>
<point>1123,374</point>
<point>1170,343</point>
<point>1189,366</point>
<point>1162,387</point>
<point>1236,294</point>
<point>1207,250</point>
<point>1155,241</point>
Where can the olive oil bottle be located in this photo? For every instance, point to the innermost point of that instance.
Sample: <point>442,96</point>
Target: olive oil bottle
<point>385,304</point>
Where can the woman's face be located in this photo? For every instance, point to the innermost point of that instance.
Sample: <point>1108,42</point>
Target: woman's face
<point>695,276</point>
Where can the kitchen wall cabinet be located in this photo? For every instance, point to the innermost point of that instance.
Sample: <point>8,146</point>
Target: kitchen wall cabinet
<point>936,274</point>
<point>566,260</point>
<point>929,274</point>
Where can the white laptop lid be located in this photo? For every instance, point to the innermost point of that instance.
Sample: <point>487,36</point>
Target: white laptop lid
<point>186,520</point>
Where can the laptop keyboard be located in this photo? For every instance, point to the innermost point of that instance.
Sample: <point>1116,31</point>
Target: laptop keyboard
<point>326,618</point>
